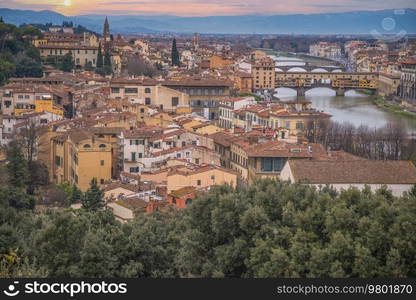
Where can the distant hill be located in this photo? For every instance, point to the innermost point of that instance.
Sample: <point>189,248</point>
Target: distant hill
<point>356,22</point>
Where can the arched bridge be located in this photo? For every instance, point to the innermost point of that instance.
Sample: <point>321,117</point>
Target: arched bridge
<point>339,81</point>
<point>308,67</point>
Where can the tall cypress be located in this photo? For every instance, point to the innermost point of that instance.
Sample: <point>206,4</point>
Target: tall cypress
<point>175,54</point>
<point>17,165</point>
<point>107,58</point>
<point>99,58</point>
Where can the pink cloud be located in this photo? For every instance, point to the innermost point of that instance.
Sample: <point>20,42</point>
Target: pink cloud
<point>206,7</point>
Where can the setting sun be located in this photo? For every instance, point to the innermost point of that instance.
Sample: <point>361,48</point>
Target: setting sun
<point>67,2</point>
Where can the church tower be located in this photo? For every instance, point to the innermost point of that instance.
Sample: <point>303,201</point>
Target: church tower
<point>106,32</point>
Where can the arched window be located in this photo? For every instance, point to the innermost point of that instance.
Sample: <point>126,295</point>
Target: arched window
<point>102,146</point>
<point>87,146</point>
<point>188,201</point>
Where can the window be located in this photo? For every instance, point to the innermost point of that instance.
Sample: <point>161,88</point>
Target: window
<point>197,161</point>
<point>102,181</point>
<point>102,162</point>
<point>133,156</point>
<point>188,201</point>
<point>142,110</point>
<point>131,91</point>
<point>140,155</point>
<point>299,125</point>
<point>102,146</point>
<point>115,90</point>
<point>178,155</point>
<point>134,170</point>
<point>57,160</point>
<point>174,201</point>
<point>147,90</point>
<point>147,101</point>
<point>175,101</point>
<point>198,182</point>
<point>270,164</point>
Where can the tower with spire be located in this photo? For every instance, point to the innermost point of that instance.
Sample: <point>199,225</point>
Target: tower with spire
<point>106,33</point>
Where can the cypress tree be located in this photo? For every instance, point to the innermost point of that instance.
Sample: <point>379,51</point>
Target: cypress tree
<point>175,54</point>
<point>93,198</point>
<point>99,58</point>
<point>17,165</point>
<point>76,195</point>
<point>107,58</point>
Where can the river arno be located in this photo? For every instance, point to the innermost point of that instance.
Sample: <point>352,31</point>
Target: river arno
<point>355,108</point>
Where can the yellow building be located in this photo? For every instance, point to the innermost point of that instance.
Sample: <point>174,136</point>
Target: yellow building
<point>48,106</point>
<point>202,177</point>
<point>264,75</point>
<point>206,129</point>
<point>77,157</point>
<point>160,119</point>
<point>216,62</point>
<point>257,54</point>
<point>148,92</point>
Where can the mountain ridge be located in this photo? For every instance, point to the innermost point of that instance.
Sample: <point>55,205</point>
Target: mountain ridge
<point>354,22</point>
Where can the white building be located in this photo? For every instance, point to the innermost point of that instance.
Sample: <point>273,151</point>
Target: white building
<point>398,176</point>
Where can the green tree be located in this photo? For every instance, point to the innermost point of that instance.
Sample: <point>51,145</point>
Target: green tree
<point>76,195</point>
<point>99,58</point>
<point>175,54</point>
<point>107,58</point>
<point>94,197</point>
<point>67,64</point>
<point>16,166</point>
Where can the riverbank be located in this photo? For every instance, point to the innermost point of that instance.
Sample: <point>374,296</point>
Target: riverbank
<point>381,103</point>
<point>366,91</point>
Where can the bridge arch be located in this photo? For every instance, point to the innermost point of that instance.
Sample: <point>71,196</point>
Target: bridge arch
<point>323,91</point>
<point>296,69</point>
<point>337,71</point>
<point>319,70</point>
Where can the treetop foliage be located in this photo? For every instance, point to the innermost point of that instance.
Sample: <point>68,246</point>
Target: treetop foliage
<point>269,229</point>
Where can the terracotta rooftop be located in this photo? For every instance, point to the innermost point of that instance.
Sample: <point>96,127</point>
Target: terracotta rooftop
<point>360,172</point>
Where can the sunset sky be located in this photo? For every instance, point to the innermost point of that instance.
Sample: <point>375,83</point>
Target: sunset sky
<point>203,7</point>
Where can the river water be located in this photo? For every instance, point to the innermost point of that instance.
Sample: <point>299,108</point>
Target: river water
<point>354,107</point>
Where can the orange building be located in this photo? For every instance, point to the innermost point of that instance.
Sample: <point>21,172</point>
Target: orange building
<point>216,62</point>
<point>182,197</point>
<point>243,82</point>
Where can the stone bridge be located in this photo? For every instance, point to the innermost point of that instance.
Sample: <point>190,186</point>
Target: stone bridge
<point>338,81</point>
<point>308,67</point>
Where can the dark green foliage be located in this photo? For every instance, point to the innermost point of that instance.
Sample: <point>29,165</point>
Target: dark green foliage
<point>16,166</point>
<point>269,229</point>
<point>18,57</point>
<point>94,197</point>
<point>100,58</point>
<point>107,58</point>
<point>76,195</point>
<point>38,175</point>
<point>175,54</point>
<point>67,64</point>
